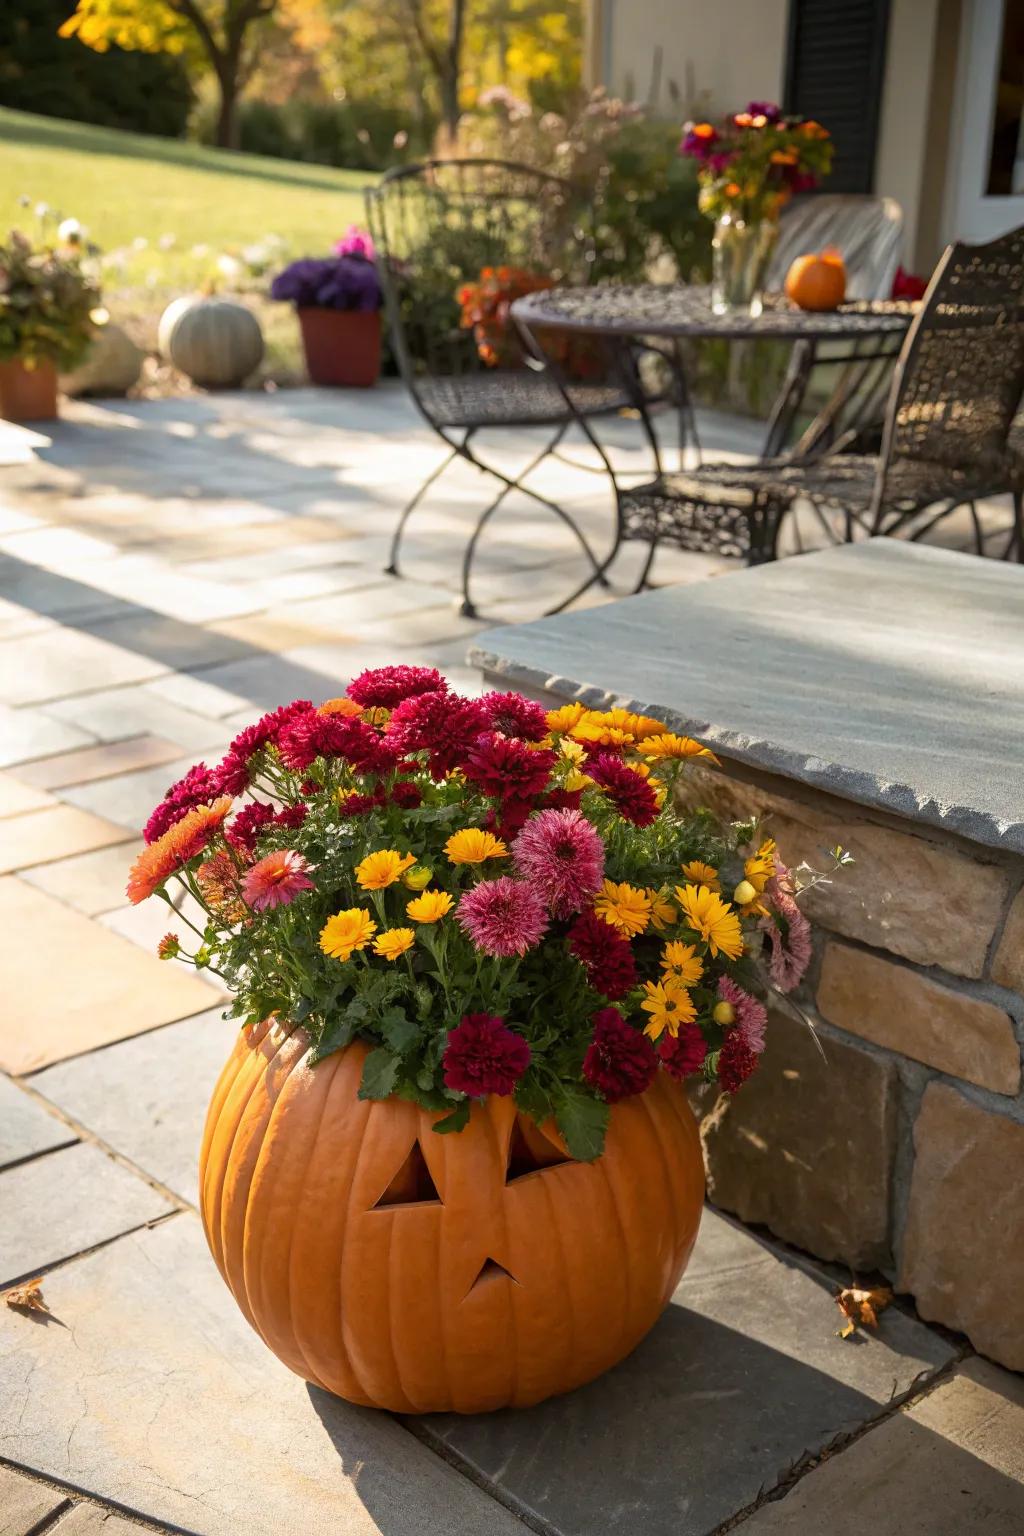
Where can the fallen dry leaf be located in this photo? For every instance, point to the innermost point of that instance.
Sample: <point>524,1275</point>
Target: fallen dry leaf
<point>862,1306</point>
<point>27,1297</point>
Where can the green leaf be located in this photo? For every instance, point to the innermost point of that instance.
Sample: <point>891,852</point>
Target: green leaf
<point>379,1073</point>
<point>338,1033</point>
<point>583,1121</point>
<point>300,1011</point>
<point>399,1030</point>
<point>456,1121</point>
<point>532,1099</point>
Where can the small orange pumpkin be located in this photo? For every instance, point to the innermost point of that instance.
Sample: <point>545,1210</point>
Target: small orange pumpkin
<point>407,1270</point>
<point>817,281</point>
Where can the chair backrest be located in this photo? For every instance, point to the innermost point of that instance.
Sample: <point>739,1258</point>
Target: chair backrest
<point>960,375</point>
<point>867,231</point>
<point>439,224</point>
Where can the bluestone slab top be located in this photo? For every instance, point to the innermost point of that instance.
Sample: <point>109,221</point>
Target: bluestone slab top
<point>890,674</point>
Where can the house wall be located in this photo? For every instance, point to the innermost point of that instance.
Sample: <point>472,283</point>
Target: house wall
<point>905,154</point>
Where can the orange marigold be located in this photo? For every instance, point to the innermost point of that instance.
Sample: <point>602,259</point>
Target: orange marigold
<point>158,861</point>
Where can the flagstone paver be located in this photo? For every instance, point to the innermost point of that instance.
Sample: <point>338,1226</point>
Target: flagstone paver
<point>90,1520</point>
<point>63,661</point>
<point>17,797</point>
<point>148,1096</point>
<point>950,1465</point>
<point>27,733</point>
<point>71,986</point>
<point>741,1378</point>
<point>127,798</point>
<point>24,1504</point>
<point>90,882</point>
<point>100,762</point>
<point>116,714</point>
<point>65,1202</point>
<point>157,1395</point>
<point>26,1128</point>
<point>43,835</point>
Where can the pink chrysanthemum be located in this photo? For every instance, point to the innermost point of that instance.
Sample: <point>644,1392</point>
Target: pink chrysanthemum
<point>561,854</point>
<point>604,954</point>
<point>630,793</point>
<point>276,880</point>
<point>484,1056</point>
<point>620,1061</point>
<point>199,786</point>
<point>789,933</point>
<point>503,917</point>
<point>683,1054</point>
<point>751,1016</point>
<point>514,715</point>
<point>442,724</point>
<point>384,687</point>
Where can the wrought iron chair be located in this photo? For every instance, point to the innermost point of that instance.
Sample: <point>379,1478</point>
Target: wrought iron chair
<point>436,226</point>
<point>946,443</point>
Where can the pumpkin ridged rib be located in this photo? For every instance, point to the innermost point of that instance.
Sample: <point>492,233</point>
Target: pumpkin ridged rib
<point>448,1385</point>
<point>654,1129</point>
<point>502,1145</point>
<point>556,1233</point>
<point>350,1353</point>
<point>670,1104</point>
<point>292,1286</point>
<point>624,1327</point>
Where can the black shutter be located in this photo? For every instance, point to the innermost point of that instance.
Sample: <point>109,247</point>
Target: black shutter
<point>834,68</point>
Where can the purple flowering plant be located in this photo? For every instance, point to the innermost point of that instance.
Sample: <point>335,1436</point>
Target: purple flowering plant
<point>347,280</point>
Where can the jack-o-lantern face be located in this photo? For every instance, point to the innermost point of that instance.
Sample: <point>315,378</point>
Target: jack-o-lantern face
<point>419,1272</point>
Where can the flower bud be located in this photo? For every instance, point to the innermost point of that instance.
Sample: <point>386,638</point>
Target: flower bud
<point>724,1014</point>
<point>417,878</point>
<point>744,893</point>
<point>168,947</point>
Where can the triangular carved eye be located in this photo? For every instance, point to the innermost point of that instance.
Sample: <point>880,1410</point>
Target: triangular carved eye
<point>412,1184</point>
<point>529,1151</point>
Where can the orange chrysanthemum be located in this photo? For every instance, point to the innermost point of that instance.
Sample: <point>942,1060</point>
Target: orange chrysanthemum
<point>347,707</point>
<point>160,860</point>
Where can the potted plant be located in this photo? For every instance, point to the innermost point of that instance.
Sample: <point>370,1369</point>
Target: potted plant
<point>475,951</point>
<point>338,300</point>
<point>750,165</point>
<point>49,310</point>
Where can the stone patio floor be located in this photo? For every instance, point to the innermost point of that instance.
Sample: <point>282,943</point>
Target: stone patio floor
<point>168,570</point>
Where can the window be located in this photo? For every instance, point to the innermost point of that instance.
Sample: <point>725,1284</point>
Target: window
<point>834,69</point>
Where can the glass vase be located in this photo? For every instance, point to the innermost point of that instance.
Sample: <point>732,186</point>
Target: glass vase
<point>740,252</point>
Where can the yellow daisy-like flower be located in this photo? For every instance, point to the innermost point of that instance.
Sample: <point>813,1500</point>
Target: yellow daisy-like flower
<point>430,907</point>
<point>574,780</point>
<point>381,869</point>
<point>760,867</point>
<point>346,932</point>
<point>347,707</point>
<point>669,1005</point>
<point>713,918</point>
<point>575,751</point>
<point>663,913</point>
<point>563,719</point>
<point>394,943</point>
<point>472,846</point>
<point>702,874</point>
<point>681,963</point>
<point>670,745</point>
<point>624,907</point>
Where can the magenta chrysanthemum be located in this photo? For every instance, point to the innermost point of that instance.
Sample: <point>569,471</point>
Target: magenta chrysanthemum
<point>561,854</point>
<point>789,933</point>
<point>234,773</point>
<point>751,1016</point>
<point>200,786</point>
<point>276,880</point>
<point>629,792</point>
<point>604,954</point>
<point>503,917</point>
<point>484,1056</point>
<point>736,1062</point>
<point>441,724</point>
<point>514,715</point>
<point>314,735</point>
<point>384,687</point>
<point>683,1054</point>
<point>508,769</point>
<point>620,1061</point>
<point>249,823</point>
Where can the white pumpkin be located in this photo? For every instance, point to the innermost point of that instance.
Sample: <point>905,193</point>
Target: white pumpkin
<point>217,342</point>
<point>110,367</point>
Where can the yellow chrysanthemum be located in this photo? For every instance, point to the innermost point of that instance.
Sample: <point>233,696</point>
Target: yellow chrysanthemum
<point>702,874</point>
<point>663,913</point>
<point>713,918</point>
<point>596,734</point>
<point>575,751</point>
<point>575,780</point>
<point>346,932</point>
<point>347,707</point>
<point>760,867</point>
<point>669,1005</point>
<point>394,943</point>
<point>624,907</point>
<point>381,869</point>
<point>472,846</point>
<point>681,963</point>
<point>670,745</point>
<point>563,719</point>
<point>430,907</point>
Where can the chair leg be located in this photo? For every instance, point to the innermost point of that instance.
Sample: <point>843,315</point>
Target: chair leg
<point>1015,543</point>
<point>641,580</point>
<point>391,569</point>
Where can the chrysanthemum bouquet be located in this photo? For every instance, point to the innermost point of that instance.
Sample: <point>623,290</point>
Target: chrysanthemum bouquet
<point>495,898</point>
<point>752,162</point>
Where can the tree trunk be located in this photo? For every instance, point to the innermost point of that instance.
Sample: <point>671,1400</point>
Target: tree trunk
<point>453,69</point>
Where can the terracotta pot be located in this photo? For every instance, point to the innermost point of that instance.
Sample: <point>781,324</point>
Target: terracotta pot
<point>419,1272</point>
<point>28,394</point>
<point>342,346</point>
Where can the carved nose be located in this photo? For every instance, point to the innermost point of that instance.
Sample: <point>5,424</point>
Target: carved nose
<point>491,1271</point>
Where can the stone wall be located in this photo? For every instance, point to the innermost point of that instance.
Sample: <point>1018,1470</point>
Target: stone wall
<point>886,1130</point>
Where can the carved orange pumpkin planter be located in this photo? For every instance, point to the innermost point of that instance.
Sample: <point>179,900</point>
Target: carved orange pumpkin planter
<point>817,281</point>
<point>407,1270</point>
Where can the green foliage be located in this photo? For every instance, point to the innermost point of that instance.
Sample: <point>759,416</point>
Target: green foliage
<point>43,72</point>
<point>582,1120</point>
<point>356,135</point>
<point>46,302</point>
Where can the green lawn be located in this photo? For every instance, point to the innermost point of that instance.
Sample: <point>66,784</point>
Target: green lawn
<point>166,214</point>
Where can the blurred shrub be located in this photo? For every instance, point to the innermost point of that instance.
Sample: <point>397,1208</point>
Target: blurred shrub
<point>358,136</point>
<point>60,77</point>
